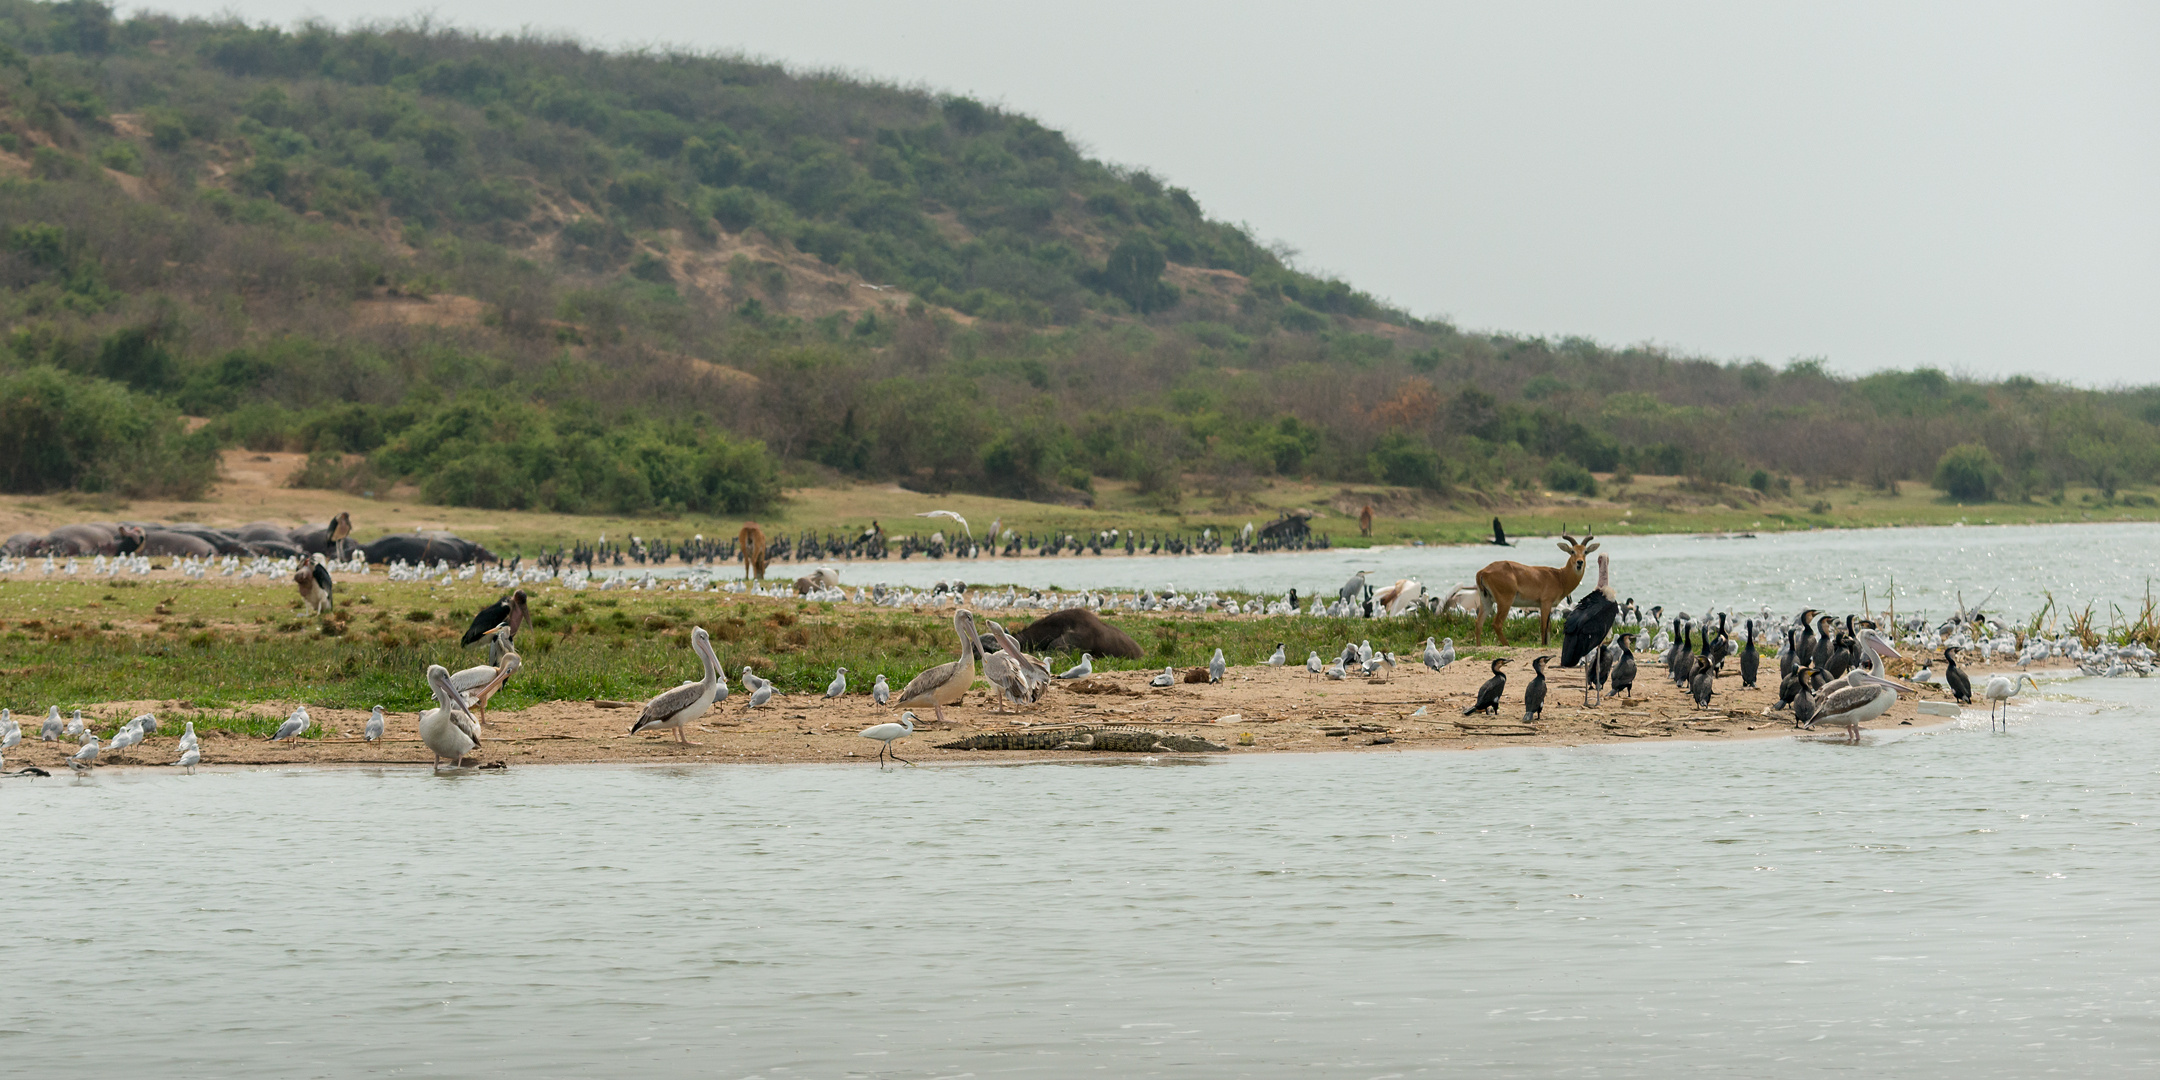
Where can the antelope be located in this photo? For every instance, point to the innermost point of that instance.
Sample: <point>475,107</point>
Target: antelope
<point>752,541</point>
<point>1506,584</point>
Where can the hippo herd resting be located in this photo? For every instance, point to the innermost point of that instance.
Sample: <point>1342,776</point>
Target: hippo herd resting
<point>332,541</point>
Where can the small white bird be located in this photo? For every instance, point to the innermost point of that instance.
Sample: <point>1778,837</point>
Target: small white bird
<point>760,696</point>
<point>881,693</point>
<point>1447,653</point>
<point>51,731</point>
<point>85,757</point>
<point>11,736</point>
<point>1312,663</point>
<point>1081,670</point>
<point>127,736</point>
<point>1279,658</point>
<point>294,725</point>
<point>187,738</point>
<point>838,686</point>
<point>374,725</point>
<point>1215,667</point>
<point>886,733</point>
<point>189,756</point>
<point>1336,671</point>
<point>751,682</point>
<point>1164,679</point>
<point>75,726</point>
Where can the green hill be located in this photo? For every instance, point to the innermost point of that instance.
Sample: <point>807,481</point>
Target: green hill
<point>525,273</point>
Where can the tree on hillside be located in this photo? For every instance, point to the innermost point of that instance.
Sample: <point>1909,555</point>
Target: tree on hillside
<point>1968,471</point>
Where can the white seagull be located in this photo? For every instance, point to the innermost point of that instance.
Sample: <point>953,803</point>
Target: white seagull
<point>881,693</point>
<point>294,725</point>
<point>187,737</point>
<point>1081,670</point>
<point>887,732</point>
<point>51,731</point>
<point>374,725</point>
<point>1278,658</point>
<point>1164,679</point>
<point>189,756</point>
<point>1312,663</point>
<point>838,686</point>
<point>1215,667</point>
<point>950,514</point>
<point>85,757</point>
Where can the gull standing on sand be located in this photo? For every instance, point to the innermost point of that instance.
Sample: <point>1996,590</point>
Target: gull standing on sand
<point>85,757</point>
<point>1167,677</point>
<point>11,735</point>
<point>1278,657</point>
<point>886,733</point>
<point>678,707</point>
<point>373,733</point>
<point>51,731</point>
<point>448,729</point>
<point>947,683</point>
<point>75,725</point>
<point>1215,667</point>
<point>838,686</point>
<point>1081,670</point>
<point>188,740</point>
<point>751,682</point>
<point>881,693</point>
<point>760,696</point>
<point>1312,663</point>
<point>127,736</point>
<point>294,725</point>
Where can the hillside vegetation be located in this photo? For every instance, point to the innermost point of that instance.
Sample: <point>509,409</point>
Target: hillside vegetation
<point>523,273</point>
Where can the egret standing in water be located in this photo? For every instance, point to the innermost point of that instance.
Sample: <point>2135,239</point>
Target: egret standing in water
<point>1999,691</point>
<point>886,733</point>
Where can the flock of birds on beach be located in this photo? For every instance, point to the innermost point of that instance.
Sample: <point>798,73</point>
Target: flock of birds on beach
<point>1831,671</point>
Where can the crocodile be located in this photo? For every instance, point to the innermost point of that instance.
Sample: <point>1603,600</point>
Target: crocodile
<point>1086,737</point>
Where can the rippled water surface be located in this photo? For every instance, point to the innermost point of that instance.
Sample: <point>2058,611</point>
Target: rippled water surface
<point>1945,902</point>
<point>1786,571</point>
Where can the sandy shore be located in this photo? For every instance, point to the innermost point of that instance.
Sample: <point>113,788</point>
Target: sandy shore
<point>1281,710</point>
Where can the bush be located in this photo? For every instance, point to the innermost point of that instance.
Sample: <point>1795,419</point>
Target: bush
<point>1402,460</point>
<point>1564,475</point>
<point>60,431</point>
<point>1968,471</point>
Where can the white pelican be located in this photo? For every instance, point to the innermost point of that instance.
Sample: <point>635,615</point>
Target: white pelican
<point>1864,697</point>
<point>479,685</point>
<point>448,729</point>
<point>1081,670</point>
<point>886,733</point>
<point>1999,691</point>
<point>947,683</point>
<point>294,726</point>
<point>678,707</point>
<point>374,726</point>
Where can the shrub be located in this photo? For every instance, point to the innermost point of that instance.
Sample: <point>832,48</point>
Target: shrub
<point>1968,471</point>
<point>1401,459</point>
<point>60,431</point>
<point>1564,475</point>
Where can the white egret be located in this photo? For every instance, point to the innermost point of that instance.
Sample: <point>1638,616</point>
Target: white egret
<point>1999,691</point>
<point>887,732</point>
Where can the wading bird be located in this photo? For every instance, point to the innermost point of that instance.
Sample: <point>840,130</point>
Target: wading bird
<point>886,733</point>
<point>448,729</point>
<point>946,683</point>
<point>1534,694</point>
<point>677,708</point>
<point>1999,691</point>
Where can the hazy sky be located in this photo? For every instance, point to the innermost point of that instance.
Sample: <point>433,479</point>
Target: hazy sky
<point>1965,185</point>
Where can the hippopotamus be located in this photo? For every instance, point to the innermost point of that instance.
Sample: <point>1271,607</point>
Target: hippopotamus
<point>93,538</point>
<point>166,542</point>
<point>22,544</point>
<point>1077,630</point>
<point>426,548</point>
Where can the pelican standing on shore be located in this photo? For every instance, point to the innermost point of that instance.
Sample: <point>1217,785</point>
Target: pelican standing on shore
<point>678,707</point>
<point>946,683</point>
<point>448,729</point>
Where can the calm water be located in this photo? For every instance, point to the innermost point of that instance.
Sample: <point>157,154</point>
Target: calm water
<point>1787,571</point>
<point>1947,903</point>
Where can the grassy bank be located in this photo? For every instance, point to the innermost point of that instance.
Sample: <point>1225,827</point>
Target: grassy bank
<point>219,647</point>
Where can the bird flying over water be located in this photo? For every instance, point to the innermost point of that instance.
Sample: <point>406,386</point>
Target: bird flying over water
<point>949,514</point>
